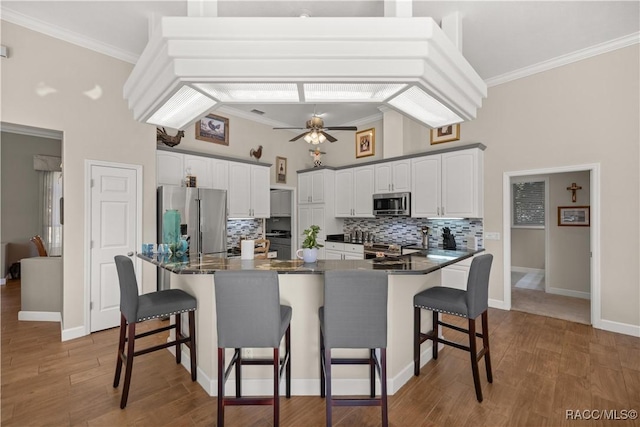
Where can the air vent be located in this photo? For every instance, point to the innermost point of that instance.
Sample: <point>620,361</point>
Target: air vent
<point>258,112</point>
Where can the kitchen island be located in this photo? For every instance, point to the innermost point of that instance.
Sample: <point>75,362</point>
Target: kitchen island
<point>301,287</point>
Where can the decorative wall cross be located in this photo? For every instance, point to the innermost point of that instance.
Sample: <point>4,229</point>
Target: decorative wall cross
<point>573,190</point>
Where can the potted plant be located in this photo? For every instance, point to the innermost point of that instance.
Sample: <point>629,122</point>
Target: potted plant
<point>310,245</point>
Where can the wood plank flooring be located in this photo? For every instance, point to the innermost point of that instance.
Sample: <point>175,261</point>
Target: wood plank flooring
<point>542,367</point>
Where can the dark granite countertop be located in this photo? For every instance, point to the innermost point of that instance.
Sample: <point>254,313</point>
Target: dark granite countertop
<point>422,262</point>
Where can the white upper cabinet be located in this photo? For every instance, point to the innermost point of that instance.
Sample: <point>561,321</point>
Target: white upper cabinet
<point>311,187</point>
<point>393,177</point>
<point>200,167</point>
<point>448,185</point>
<point>248,191</point>
<point>280,203</point>
<point>354,191</point>
<point>169,168</point>
<point>219,174</point>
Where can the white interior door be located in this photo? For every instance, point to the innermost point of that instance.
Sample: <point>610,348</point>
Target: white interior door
<point>113,232</point>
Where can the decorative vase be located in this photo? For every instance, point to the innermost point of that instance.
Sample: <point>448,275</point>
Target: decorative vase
<point>308,254</point>
<point>171,229</point>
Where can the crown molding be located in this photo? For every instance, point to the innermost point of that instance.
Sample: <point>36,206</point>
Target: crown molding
<point>30,131</point>
<point>569,58</point>
<point>66,35</point>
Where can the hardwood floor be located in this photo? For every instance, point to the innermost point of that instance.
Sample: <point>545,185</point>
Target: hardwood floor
<point>542,367</point>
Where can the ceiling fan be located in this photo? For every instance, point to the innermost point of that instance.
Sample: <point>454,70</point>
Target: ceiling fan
<point>315,131</point>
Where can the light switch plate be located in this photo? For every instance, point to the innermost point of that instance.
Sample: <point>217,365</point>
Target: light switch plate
<point>492,235</point>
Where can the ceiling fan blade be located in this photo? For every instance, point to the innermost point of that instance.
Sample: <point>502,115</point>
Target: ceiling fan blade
<point>290,128</point>
<point>298,137</point>
<point>329,137</point>
<point>341,128</point>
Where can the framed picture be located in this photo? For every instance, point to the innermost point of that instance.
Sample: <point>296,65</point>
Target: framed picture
<point>214,129</point>
<point>445,134</point>
<point>366,143</point>
<point>576,216</point>
<point>281,170</point>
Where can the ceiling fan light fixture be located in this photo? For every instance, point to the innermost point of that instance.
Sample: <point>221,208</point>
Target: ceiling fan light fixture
<point>351,92</point>
<point>181,108</point>
<point>421,106</point>
<point>258,92</point>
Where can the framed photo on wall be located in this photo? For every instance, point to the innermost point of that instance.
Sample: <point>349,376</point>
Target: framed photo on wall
<point>366,143</point>
<point>214,129</point>
<point>576,216</point>
<point>445,134</point>
<point>281,170</point>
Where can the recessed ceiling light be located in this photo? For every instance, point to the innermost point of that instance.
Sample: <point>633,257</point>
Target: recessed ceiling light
<point>350,92</point>
<point>243,92</point>
<point>181,108</point>
<point>424,108</point>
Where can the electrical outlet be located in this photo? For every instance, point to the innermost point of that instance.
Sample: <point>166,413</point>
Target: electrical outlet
<point>492,236</point>
<point>247,353</point>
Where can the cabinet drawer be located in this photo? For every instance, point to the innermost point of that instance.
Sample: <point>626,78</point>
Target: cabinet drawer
<point>334,246</point>
<point>358,249</point>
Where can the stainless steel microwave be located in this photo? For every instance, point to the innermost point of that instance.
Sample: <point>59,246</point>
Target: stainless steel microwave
<point>392,204</point>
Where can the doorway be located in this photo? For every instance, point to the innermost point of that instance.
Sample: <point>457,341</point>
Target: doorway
<point>552,277</point>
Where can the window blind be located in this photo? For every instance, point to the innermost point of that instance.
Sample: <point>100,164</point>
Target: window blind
<point>528,203</point>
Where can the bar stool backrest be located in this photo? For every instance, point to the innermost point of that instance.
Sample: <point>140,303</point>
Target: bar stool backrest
<point>247,309</point>
<point>128,288</point>
<point>355,309</point>
<point>478,285</point>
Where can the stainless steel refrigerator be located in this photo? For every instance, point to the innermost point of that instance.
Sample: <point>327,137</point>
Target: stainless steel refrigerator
<point>203,217</point>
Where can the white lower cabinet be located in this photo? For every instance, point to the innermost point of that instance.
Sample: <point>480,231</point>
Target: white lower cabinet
<point>336,250</point>
<point>456,275</point>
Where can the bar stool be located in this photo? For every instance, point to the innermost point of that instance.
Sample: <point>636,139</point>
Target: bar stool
<point>136,308</point>
<point>249,315</point>
<point>354,316</point>
<point>468,304</point>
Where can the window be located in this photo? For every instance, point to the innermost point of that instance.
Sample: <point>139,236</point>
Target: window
<point>528,204</point>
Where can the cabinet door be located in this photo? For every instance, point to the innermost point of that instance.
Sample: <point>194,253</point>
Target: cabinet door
<point>220,174</point>
<point>317,187</point>
<point>455,277</point>
<point>285,203</point>
<point>260,199</point>
<point>239,190</point>
<point>275,202</point>
<point>317,218</point>
<point>425,186</point>
<point>383,178</point>
<point>353,256</point>
<point>401,176</point>
<point>169,168</point>
<point>344,193</point>
<point>304,221</point>
<point>363,183</point>
<point>200,167</point>
<point>329,254</point>
<point>304,188</point>
<point>459,186</point>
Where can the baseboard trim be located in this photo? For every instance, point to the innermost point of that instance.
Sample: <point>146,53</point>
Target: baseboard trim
<point>621,328</point>
<point>526,269</point>
<point>496,303</point>
<point>72,333</point>
<point>568,293</point>
<point>40,316</point>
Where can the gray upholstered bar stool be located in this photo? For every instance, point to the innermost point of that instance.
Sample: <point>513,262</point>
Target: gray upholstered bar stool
<point>354,315</point>
<point>249,315</point>
<point>469,304</point>
<point>136,308</point>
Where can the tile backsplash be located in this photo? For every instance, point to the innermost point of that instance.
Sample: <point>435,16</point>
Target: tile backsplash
<point>237,228</point>
<point>407,230</point>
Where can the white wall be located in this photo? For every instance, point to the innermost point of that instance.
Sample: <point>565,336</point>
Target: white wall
<point>43,85</point>
<point>585,112</point>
